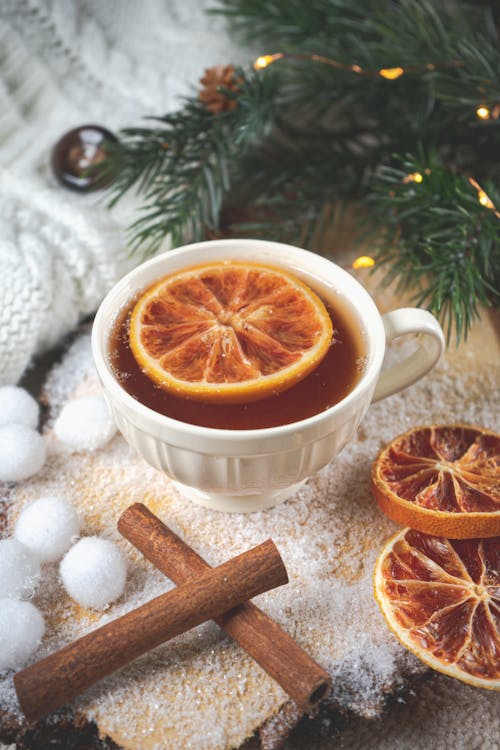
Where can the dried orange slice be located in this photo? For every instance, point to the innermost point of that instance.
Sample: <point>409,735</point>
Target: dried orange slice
<point>441,598</point>
<point>443,480</point>
<point>229,332</point>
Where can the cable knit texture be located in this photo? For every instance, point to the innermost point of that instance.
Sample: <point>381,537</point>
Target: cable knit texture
<point>56,266</point>
<point>63,64</point>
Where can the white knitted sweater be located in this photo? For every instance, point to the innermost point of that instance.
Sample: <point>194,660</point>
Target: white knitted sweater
<point>65,63</point>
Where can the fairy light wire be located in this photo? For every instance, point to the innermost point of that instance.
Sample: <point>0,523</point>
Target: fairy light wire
<point>483,111</point>
<point>365,261</point>
<point>390,74</point>
<point>482,196</point>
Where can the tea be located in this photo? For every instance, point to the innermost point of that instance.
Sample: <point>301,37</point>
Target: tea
<point>332,380</point>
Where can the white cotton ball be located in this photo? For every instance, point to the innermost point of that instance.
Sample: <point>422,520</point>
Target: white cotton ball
<point>85,423</point>
<point>93,572</point>
<point>22,452</point>
<point>48,527</point>
<point>19,569</point>
<point>21,630</point>
<point>17,406</point>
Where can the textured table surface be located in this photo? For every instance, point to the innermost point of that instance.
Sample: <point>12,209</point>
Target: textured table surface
<point>463,388</point>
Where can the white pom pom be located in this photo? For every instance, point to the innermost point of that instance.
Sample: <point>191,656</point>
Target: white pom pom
<point>22,452</point>
<point>19,569</point>
<point>21,630</point>
<point>94,572</point>
<point>17,406</point>
<point>85,423</point>
<point>48,527</point>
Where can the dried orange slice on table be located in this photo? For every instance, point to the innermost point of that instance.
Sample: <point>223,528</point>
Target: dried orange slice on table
<point>229,332</point>
<point>442,480</point>
<point>441,598</point>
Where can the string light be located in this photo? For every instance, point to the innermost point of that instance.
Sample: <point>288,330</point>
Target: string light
<point>485,113</point>
<point>414,177</point>
<point>482,196</point>
<point>364,261</point>
<point>390,74</point>
<point>484,200</point>
<point>264,60</point>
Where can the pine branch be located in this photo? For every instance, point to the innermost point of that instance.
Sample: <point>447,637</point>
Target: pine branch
<point>286,185</point>
<point>452,261</point>
<point>303,137</point>
<point>379,34</point>
<point>181,164</point>
<point>292,22</point>
<point>330,26</point>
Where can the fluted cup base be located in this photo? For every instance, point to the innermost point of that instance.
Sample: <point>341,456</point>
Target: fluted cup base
<point>232,503</point>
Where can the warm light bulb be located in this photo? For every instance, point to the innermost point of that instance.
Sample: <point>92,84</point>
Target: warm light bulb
<point>391,73</point>
<point>414,177</point>
<point>264,60</point>
<point>484,200</point>
<point>483,113</point>
<point>364,261</point>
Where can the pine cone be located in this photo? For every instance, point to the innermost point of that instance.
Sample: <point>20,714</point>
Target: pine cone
<point>216,78</point>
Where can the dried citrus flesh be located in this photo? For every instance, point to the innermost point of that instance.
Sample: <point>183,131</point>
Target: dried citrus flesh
<point>229,332</point>
<point>441,598</point>
<point>442,480</point>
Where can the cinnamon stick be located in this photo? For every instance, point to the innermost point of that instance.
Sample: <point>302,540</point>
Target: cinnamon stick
<point>271,647</point>
<point>58,678</point>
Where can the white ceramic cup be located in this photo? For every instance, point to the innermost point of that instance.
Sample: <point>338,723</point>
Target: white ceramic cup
<point>248,470</point>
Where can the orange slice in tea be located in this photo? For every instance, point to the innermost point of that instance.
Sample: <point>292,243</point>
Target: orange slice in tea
<point>442,480</point>
<point>441,598</point>
<point>229,332</point>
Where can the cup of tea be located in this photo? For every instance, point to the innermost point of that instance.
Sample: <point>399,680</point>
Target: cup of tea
<point>242,457</point>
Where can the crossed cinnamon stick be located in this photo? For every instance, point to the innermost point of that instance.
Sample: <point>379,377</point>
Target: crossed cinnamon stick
<point>203,593</point>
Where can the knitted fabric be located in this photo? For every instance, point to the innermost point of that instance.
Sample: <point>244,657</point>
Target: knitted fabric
<point>61,65</point>
<point>56,265</point>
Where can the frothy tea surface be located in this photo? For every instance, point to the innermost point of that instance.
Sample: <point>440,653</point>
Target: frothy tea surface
<point>333,379</point>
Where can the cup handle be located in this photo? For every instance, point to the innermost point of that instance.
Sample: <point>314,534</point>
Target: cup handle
<point>401,375</point>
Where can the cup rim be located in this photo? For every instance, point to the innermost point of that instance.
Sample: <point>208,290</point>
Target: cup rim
<point>127,286</point>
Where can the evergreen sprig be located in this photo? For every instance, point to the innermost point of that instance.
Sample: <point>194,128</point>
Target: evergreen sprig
<point>307,137</point>
<point>452,260</point>
<point>180,164</point>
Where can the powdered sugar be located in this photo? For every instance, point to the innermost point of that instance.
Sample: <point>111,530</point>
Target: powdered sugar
<point>201,690</point>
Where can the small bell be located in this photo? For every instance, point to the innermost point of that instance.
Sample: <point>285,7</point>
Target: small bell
<point>76,156</point>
